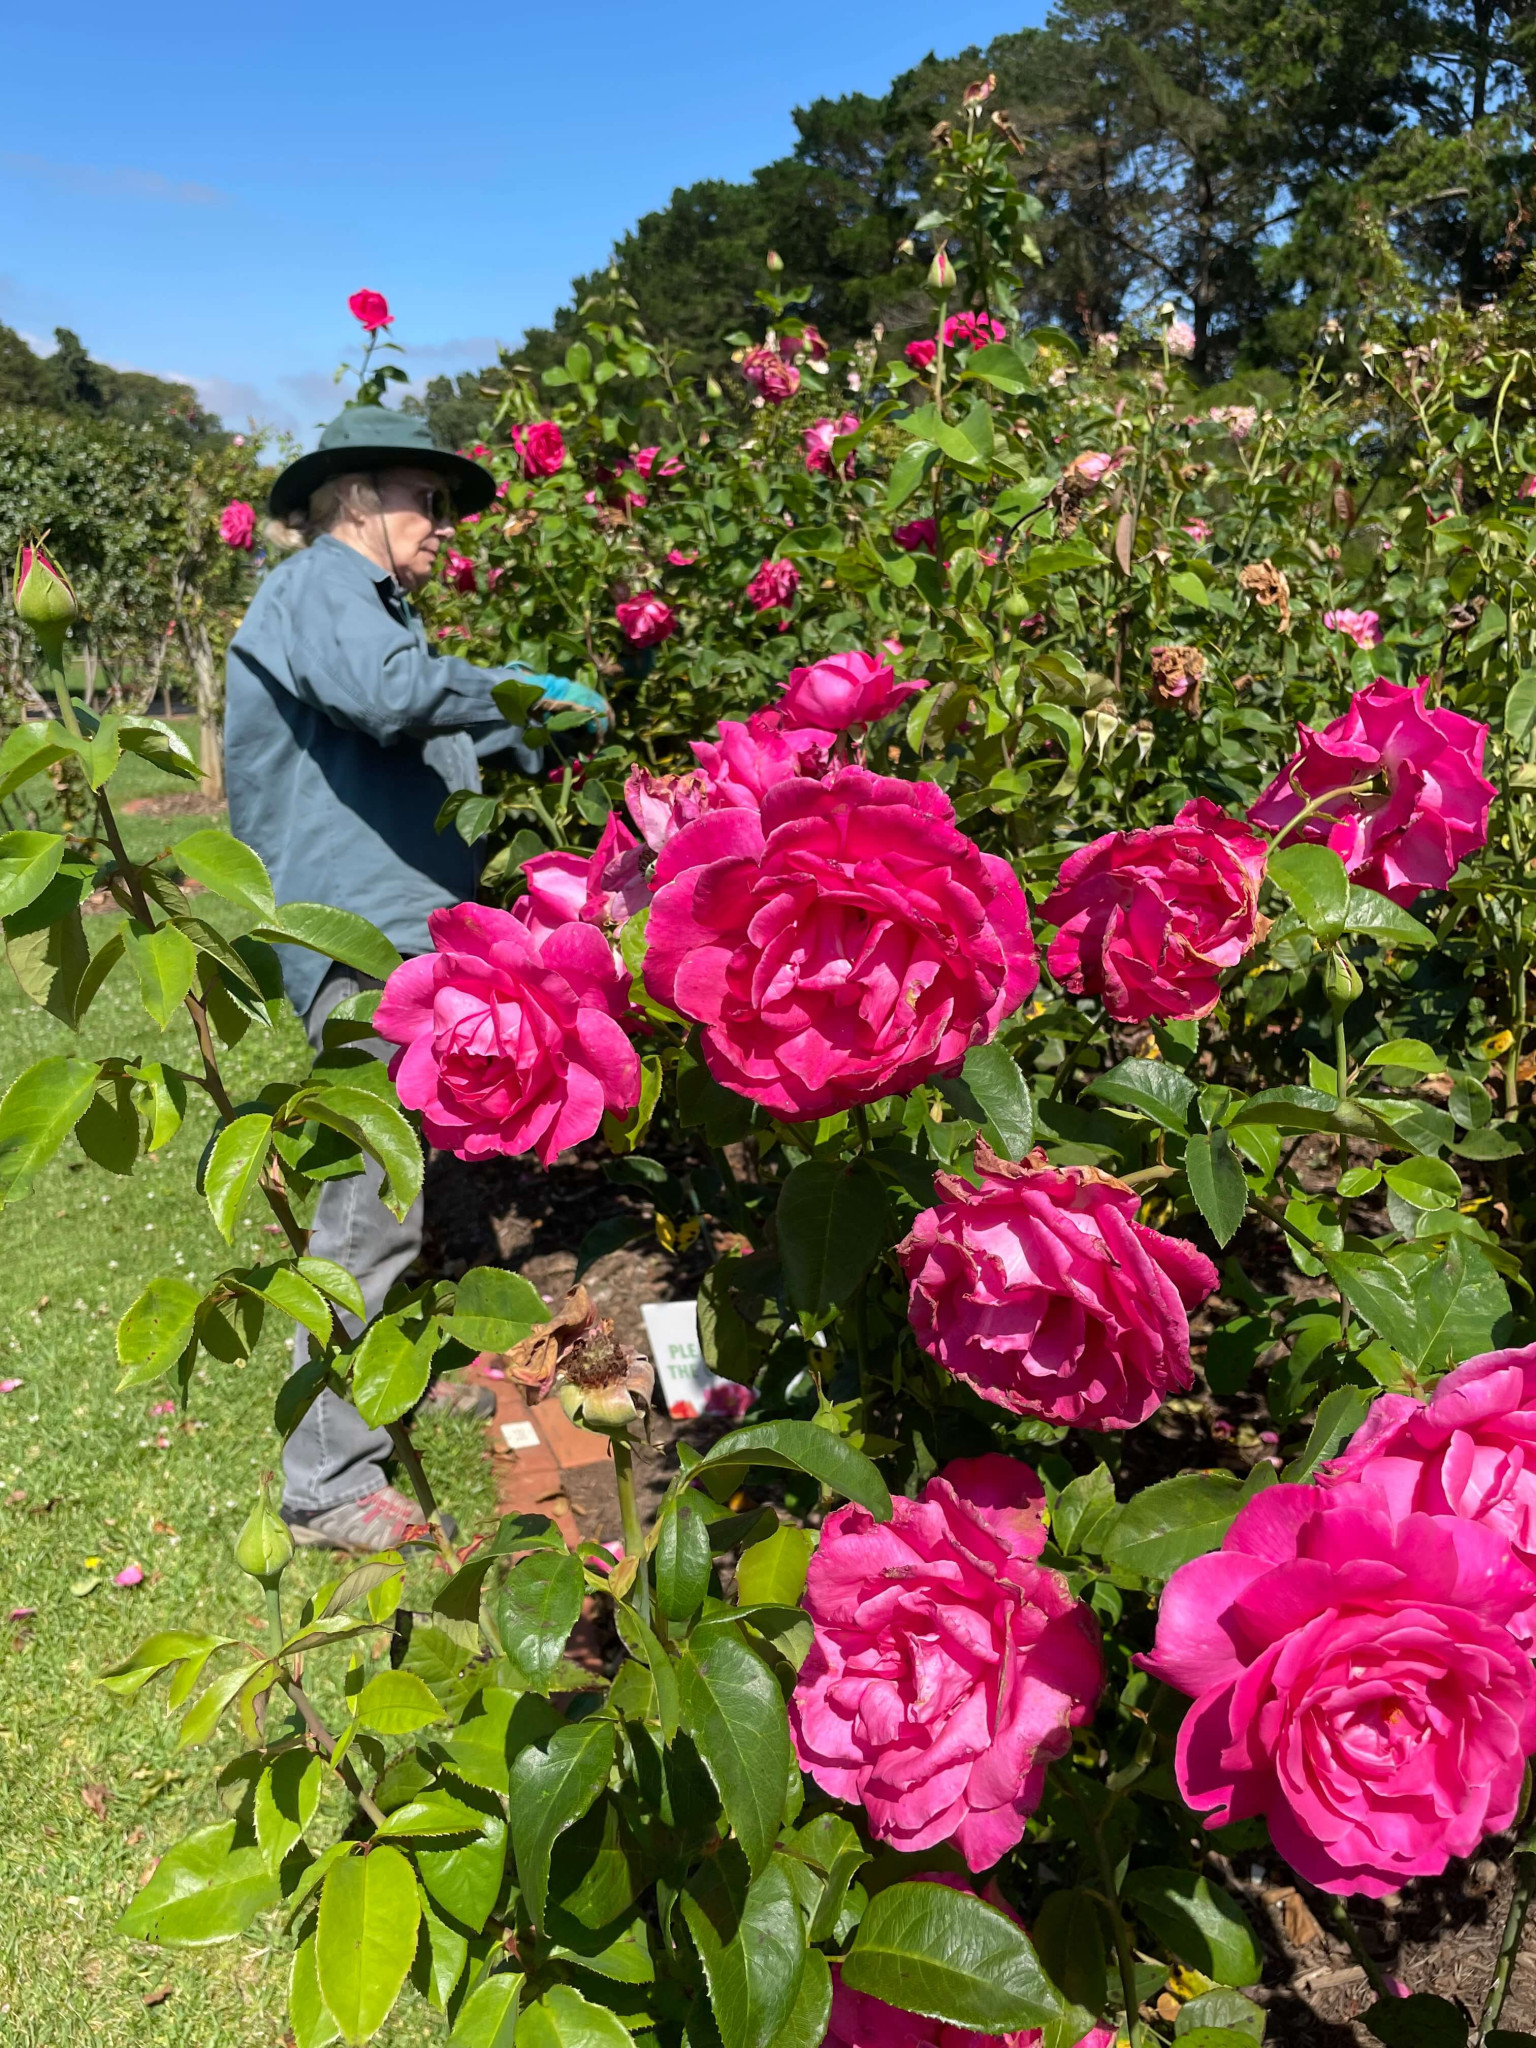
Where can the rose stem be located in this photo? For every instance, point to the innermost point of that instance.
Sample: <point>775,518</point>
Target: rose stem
<point>1514,1929</point>
<point>1123,1951</point>
<point>1358,1949</point>
<point>421,1486</point>
<point>629,1516</point>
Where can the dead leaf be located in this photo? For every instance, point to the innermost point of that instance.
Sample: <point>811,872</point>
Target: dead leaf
<point>1298,1922</point>
<point>96,1797</point>
<point>1125,539</point>
<point>158,1997</point>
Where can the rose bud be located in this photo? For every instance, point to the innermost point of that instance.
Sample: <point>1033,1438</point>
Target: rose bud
<point>43,599</point>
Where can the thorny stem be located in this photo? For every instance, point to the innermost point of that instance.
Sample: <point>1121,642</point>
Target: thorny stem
<point>1358,1949</point>
<point>629,1517</point>
<point>1124,1954</point>
<point>1514,1930</point>
<point>421,1486</point>
<point>322,1735</point>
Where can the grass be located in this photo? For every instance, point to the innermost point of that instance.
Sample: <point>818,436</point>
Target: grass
<point>90,1481</point>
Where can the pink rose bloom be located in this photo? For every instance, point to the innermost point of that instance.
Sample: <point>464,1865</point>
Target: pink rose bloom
<point>372,309</point>
<point>1180,338</point>
<point>1044,1294</point>
<point>1198,531</point>
<point>807,342</point>
<point>644,459</point>
<point>646,620</point>
<point>1364,628</point>
<point>1150,919</point>
<point>774,586</point>
<point>920,354</point>
<point>541,447</point>
<point>844,942</point>
<point>1470,1450</point>
<point>1092,465</point>
<point>509,1037</point>
<point>918,536</point>
<point>661,805</point>
<point>729,1400</point>
<point>1355,1682</point>
<point>1239,420</point>
<point>237,524</point>
<point>843,690</point>
<point>1528,488</point>
<point>601,888</point>
<point>948,1667</point>
<point>818,441</point>
<point>1425,808</point>
<point>459,570</point>
<point>769,375</point>
<point>972,330</point>
<point>681,560</point>
<point>750,757</point>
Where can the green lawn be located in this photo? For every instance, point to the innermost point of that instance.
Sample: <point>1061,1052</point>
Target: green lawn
<point>91,1481</point>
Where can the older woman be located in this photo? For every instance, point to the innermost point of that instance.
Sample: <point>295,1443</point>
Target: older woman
<point>344,732</point>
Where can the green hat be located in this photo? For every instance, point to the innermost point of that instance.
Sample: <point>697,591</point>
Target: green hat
<point>366,438</point>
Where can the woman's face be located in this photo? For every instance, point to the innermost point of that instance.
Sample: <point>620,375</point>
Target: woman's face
<point>415,518</point>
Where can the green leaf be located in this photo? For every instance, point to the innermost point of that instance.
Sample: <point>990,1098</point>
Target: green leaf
<point>1378,1290</point>
<point>1223,2012</point>
<point>488,2017</point>
<point>1215,1175</point>
<point>335,1282</point>
<point>379,1127</point>
<point>159,744</point>
<point>436,1812</point>
<point>751,1941</point>
<point>1314,879</point>
<point>1379,918</point>
<point>536,1611</point>
<point>1406,1052</point>
<point>1425,1183</point>
<point>495,1309</point>
<point>396,1703</point>
<point>50,956</point>
<point>833,1223</point>
<point>1082,1510</point>
<point>553,1786</point>
<point>467,1881</point>
<point>221,863</point>
<point>1069,1939</point>
<point>390,1371</point>
<point>287,1797</point>
<point>1201,1923</point>
<point>234,1168</point>
<point>562,2018</point>
<point>730,1703</point>
<point>165,961</point>
<point>1520,707</point>
<point>1461,1308</point>
<point>772,1573</point>
<point>1418,2021</point>
<point>339,934</point>
<point>204,1890</point>
<point>108,1133</point>
<point>802,1447</point>
<point>682,1559</point>
<point>39,1109</point>
<point>291,1295</point>
<point>312,2025</point>
<point>29,749</point>
<point>1339,1415</point>
<point>1166,1525</point>
<point>28,863</point>
<point>365,1938</point>
<point>927,1949</point>
<point>640,1642</point>
<point>1001,364</point>
<point>1154,1087</point>
<point>993,1076</point>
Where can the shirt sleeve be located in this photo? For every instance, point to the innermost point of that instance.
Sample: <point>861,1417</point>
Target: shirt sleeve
<point>362,667</point>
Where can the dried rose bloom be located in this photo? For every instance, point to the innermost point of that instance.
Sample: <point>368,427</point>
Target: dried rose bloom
<point>1267,585</point>
<point>576,1357</point>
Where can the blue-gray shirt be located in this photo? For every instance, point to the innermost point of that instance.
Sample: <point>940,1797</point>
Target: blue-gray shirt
<point>343,733</point>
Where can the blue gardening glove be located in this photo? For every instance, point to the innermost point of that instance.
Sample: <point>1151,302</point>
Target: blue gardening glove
<point>561,690</point>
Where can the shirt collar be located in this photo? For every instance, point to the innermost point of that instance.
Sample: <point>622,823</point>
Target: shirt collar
<point>390,595</point>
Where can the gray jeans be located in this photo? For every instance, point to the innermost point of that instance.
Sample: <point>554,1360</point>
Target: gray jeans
<point>333,1456</point>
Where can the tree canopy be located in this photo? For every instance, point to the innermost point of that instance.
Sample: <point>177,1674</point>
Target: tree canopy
<point>71,382</point>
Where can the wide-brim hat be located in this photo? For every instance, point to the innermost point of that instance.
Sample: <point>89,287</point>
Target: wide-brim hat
<point>367,438</point>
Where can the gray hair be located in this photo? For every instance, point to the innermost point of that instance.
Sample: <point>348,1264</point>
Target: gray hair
<point>354,496</point>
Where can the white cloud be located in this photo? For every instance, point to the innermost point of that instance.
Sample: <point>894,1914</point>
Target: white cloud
<point>121,182</point>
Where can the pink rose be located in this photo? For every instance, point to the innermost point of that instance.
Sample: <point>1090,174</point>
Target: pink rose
<point>749,758</point>
<point>237,524</point>
<point>844,690</point>
<point>818,441</point>
<point>1424,806</point>
<point>769,375</point>
<point>661,805</point>
<point>1528,488</point>
<point>918,536</point>
<point>729,1400</point>
<point>1092,465</point>
<point>681,559</point>
<point>807,342</point>
<point>1150,919</point>
<point>1198,531</point>
<point>972,330</point>
<point>1179,337</point>
<point>1239,420</point>
<point>1364,628</point>
<point>459,570</point>
<point>948,1668</point>
<point>509,1037</point>
<point>601,888</point>
<point>646,620</point>
<point>1355,1682</point>
<point>844,942</point>
<point>372,309</point>
<point>1470,1450</point>
<point>541,446</point>
<point>644,459</point>
<point>920,354</point>
<point>1042,1292</point>
<point>773,587</point>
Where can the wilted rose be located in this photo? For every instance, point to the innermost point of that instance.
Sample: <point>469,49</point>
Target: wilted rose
<point>576,1357</point>
<point>769,375</point>
<point>661,805</point>
<point>1177,673</point>
<point>603,887</point>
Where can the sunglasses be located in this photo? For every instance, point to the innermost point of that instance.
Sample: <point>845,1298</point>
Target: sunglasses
<point>434,503</point>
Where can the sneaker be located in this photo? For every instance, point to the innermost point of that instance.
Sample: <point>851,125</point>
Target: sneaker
<point>378,1521</point>
<point>457,1397</point>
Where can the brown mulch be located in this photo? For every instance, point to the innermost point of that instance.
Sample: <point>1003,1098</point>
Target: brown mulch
<point>179,803</point>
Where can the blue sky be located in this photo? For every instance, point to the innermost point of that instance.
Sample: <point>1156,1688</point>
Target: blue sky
<point>196,190</point>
